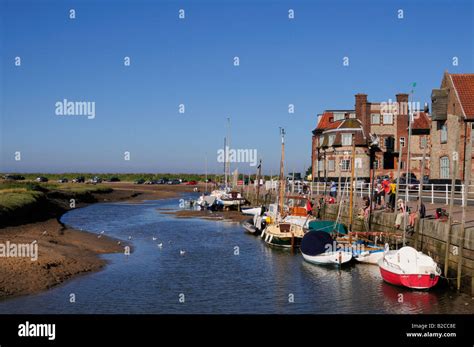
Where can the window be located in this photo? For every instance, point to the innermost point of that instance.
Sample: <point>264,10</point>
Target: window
<point>331,140</point>
<point>345,164</point>
<point>388,118</point>
<point>444,133</point>
<point>444,167</point>
<point>331,164</point>
<point>320,165</point>
<point>321,140</point>
<point>338,116</point>
<point>352,115</point>
<point>401,165</point>
<point>347,139</point>
<point>375,118</point>
<point>376,164</point>
<point>423,142</point>
<point>402,142</point>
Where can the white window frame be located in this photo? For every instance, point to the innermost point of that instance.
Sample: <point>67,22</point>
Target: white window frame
<point>375,116</point>
<point>444,167</point>
<point>331,139</point>
<point>388,119</point>
<point>443,136</point>
<point>321,140</point>
<point>338,116</point>
<point>331,165</point>
<point>345,164</point>
<point>344,138</point>
<point>402,141</point>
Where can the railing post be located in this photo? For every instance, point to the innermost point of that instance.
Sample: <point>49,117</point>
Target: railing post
<point>432,193</point>
<point>317,188</point>
<point>447,195</point>
<point>462,194</point>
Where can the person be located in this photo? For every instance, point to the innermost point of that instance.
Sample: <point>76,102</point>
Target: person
<point>309,207</point>
<point>333,189</point>
<point>386,191</point>
<point>379,195</point>
<point>393,194</point>
<point>401,214</point>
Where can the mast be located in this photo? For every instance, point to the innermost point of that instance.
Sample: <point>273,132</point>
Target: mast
<point>467,181</point>
<point>259,172</point>
<point>282,171</point>
<point>351,193</point>
<point>228,145</point>
<point>407,177</point>
<point>206,171</point>
<point>225,161</point>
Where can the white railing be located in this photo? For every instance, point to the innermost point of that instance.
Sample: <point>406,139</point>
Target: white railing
<point>434,193</point>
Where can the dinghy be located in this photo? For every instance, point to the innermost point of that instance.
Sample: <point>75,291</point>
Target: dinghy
<point>318,247</point>
<point>409,268</point>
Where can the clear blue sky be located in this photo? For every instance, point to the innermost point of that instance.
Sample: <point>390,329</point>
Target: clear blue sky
<point>190,61</point>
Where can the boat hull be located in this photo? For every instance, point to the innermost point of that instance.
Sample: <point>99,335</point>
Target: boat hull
<point>281,242</point>
<point>413,281</point>
<point>369,257</point>
<point>250,228</point>
<point>329,258</point>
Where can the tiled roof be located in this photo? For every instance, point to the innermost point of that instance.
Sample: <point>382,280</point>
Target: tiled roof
<point>464,85</point>
<point>324,120</point>
<point>422,121</point>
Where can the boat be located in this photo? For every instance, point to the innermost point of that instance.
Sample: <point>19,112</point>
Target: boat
<point>283,235</point>
<point>252,211</point>
<point>409,268</point>
<point>249,226</point>
<point>369,254</point>
<point>318,247</point>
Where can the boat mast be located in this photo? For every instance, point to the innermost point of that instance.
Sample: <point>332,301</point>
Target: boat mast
<point>407,177</point>
<point>258,179</point>
<point>282,171</point>
<point>228,145</point>
<point>225,161</point>
<point>351,193</point>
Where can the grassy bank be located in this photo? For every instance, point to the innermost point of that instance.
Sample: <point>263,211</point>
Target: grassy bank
<point>31,201</point>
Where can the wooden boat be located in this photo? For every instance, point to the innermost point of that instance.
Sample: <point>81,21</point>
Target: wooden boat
<point>318,247</point>
<point>409,268</point>
<point>283,235</point>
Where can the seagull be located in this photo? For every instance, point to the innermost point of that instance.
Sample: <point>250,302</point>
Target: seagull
<point>99,236</point>
<point>154,238</point>
<point>181,252</point>
<point>118,243</point>
<point>102,232</point>
<point>45,232</point>
<point>160,245</point>
<point>129,237</point>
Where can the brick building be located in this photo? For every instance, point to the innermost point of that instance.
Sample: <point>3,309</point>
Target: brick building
<point>387,122</point>
<point>452,119</point>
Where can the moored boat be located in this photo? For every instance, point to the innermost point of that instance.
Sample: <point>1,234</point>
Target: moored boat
<point>318,247</point>
<point>409,268</point>
<point>283,235</point>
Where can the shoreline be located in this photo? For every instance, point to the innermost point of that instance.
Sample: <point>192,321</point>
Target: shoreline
<point>64,252</point>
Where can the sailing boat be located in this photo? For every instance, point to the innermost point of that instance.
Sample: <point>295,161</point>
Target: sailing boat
<point>282,233</point>
<point>318,247</point>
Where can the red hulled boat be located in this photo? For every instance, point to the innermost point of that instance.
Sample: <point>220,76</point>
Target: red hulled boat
<point>407,267</point>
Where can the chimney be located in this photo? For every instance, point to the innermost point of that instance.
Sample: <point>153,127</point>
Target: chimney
<point>402,101</point>
<point>362,108</point>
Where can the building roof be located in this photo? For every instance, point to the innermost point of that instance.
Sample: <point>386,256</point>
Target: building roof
<point>464,85</point>
<point>422,121</point>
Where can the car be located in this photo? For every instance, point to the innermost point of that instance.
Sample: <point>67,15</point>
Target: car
<point>79,179</point>
<point>13,177</point>
<point>113,179</point>
<point>41,179</point>
<point>175,181</point>
<point>139,181</point>
<point>151,182</point>
<point>96,179</point>
<point>413,183</point>
<point>63,180</point>
<point>191,183</point>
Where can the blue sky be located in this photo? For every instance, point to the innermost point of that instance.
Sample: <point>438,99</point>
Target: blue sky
<point>190,61</point>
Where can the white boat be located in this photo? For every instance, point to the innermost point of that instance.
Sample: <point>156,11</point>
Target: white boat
<point>370,256</point>
<point>336,258</point>
<point>318,247</point>
<point>252,211</point>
